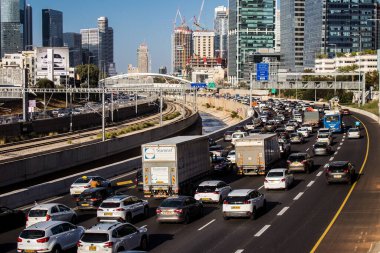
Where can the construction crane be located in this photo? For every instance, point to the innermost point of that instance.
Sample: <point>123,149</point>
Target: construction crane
<point>178,14</point>
<point>197,21</point>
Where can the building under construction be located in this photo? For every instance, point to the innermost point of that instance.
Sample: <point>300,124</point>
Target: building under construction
<point>181,49</point>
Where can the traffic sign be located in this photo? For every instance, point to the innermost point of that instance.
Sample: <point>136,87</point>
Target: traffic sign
<point>262,73</point>
<point>274,91</point>
<point>198,85</point>
<point>211,85</point>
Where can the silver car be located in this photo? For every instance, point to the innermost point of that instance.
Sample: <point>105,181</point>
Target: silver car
<point>179,209</point>
<point>322,148</point>
<point>353,133</point>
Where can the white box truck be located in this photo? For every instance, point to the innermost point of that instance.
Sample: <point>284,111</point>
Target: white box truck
<point>256,154</point>
<point>312,118</point>
<point>173,166</point>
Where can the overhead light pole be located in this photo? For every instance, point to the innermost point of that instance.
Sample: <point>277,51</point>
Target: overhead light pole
<point>88,77</point>
<point>333,44</point>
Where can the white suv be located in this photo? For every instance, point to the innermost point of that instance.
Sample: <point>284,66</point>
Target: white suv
<point>212,191</point>
<point>243,203</point>
<point>49,236</point>
<point>113,237</point>
<point>122,208</point>
<point>51,211</point>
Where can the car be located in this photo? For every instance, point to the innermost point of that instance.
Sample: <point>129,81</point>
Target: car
<point>308,127</point>
<point>296,138</point>
<point>113,237</point>
<point>50,212</point>
<point>304,132</point>
<point>285,147</point>
<point>216,150</point>
<point>92,198</point>
<point>49,236</point>
<point>122,208</point>
<point>270,126</point>
<point>324,137</point>
<point>84,183</point>
<point>214,191</point>
<point>228,135</point>
<point>300,162</point>
<point>290,127</point>
<point>278,179</point>
<point>232,156</point>
<point>264,118</point>
<point>298,118</point>
<point>322,148</point>
<point>11,218</point>
<point>345,112</point>
<point>325,131</point>
<point>254,132</point>
<point>220,164</point>
<point>257,122</point>
<point>139,180</point>
<point>339,171</point>
<point>353,133</point>
<point>211,142</point>
<point>249,126</point>
<point>179,209</point>
<point>244,203</point>
<point>238,135</point>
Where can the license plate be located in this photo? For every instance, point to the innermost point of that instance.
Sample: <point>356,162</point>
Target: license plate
<point>337,176</point>
<point>29,251</point>
<point>297,164</point>
<point>85,204</point>
<point>167,213</point>
<point>108,214</point>
<point>205,199</point>
<point>92,248</point>
<point>235,207</point>
<point>77,192</point>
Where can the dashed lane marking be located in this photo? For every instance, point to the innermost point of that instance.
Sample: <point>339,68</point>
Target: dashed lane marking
<point>319,173</point>
<point>310,184</point>
<point>261,187</point>
<point>258,234</point>
<point>307,149</point>
<point>341,144</point>
<point>339,148</point>
<point>124,183</point>
<point>331,158</point>
<point>239,251</point>
<point>206,225</point>
<point>298,196</point>
<point>283,211</point>
<point>336,152</point>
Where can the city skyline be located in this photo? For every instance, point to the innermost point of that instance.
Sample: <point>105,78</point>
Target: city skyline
<point>129,23</point>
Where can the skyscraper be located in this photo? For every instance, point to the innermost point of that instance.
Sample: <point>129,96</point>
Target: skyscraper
<point>277,44</point>
<point>203,44</point>
<point>28,35</point>
<point>143,58</point>
<point>181,49</point>
<point>221,31</point>
<point>12,21</point>
<point>90,45</point>
<point>251,28</point>
<point>74,42</point>
<point>52,28</point>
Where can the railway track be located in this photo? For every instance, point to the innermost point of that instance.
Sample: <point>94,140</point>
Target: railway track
<point>171,108</point>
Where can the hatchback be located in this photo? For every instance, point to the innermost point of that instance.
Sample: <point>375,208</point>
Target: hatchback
<point>296,138</point>
<point>300,162</point>
<point>353,133</point>
<point>179,209</point>
<point>50,212</point>
<point>322,148</point>
<point>324,137</point>
<point>278,179</point>
<point>212,191</point>
<point>84,183</point>
<point>339,171</point>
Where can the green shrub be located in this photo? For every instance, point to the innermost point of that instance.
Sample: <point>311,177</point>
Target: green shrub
<point>234,114</point>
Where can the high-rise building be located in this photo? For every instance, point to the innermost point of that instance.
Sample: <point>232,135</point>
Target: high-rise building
<point>277,32</point>
<point>181,49</point>
<point>163,70</point>
<point>98,42</point>
<point>28,35</point>
<point>74,42</point>
<point>52,28</point>
<point>251,28</point>
<point>12,22</point>
<point>143,58</point>
<point>221,31</point>
<point>203,44</point>
<point>292,34</point>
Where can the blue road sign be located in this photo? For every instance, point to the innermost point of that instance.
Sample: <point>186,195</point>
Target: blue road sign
<point>262,73</point>
<point>198,85</point>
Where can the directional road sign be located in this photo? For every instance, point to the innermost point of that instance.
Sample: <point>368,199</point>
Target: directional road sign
<point>262,73</point>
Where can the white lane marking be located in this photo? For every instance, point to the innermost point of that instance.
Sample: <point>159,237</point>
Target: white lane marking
<point>307,149</point>
<point>283,211</point>
<point>339,148</point>
<point>258,234</point>
<point>42,202</point>
<point>319,173</point>
<point>336,152</point>
<point>310,184</point>
<point>332,158</point>
<point>341,144</point>
<point>261,187</point>
<point>239,251</point>
<point>144,226</point>
<point>298,196</point>
<point>206,225</point>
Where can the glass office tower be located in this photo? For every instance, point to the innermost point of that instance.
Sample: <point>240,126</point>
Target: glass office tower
<point>52,28</point>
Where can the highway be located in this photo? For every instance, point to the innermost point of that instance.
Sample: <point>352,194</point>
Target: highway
<point>294,221</point>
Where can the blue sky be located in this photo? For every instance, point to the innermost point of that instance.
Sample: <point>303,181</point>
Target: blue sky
<point>133,21</point>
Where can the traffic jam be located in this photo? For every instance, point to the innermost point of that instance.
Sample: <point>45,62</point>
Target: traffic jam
<point>181,177</point>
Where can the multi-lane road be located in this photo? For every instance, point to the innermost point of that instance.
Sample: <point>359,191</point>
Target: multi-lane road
<point>297,220</point>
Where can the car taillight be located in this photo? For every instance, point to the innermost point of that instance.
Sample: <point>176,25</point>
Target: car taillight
<point>19,239</point>
<point>289,162</point>
<point>26,217</point>
<point>225,202</point>
<point>43,240</point>
<point>158,211</point>
<point>93,199</point>
<point>346,171</point>
<point>48,217</point>
<point>283,180</point>
<point>108,245</point>
<point>178,211</point>
<point>216,192</point>
<point>79,244</point>
<point>304,161</point>
<point>247,202</point>
<point>120,209</point>
<point>100,210</point>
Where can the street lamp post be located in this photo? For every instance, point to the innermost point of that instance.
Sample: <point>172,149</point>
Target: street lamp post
<point>335,67</point>
<point>88,77</point>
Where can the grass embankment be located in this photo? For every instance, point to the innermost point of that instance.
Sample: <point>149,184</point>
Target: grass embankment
<point>372,107</point>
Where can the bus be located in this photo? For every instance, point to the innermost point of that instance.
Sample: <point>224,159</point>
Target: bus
<point>333,121</point>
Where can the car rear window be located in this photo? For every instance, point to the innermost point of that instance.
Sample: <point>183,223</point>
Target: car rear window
<point>206,188</point>
<point>236,199</point>
<point>171,203</point>
<point>275,174</point>
<point>323,136</point>
<point>336,168</point>
<point>215,148</point>
<point>320,145</point>
<point>95,237</point>
<point>237,136</point>
<point>32,234</point>
<point>82,180</point>
<point>85,195</point>
<point>353,130</point>
<point>297,158</point>
<point>37,213</point>
<point>110,205</point>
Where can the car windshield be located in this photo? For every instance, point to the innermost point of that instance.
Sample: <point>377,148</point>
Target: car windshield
<point>37,213</point>
<point>296,158</point>
<point>331,118</point>
<point>294,135</point>
<point>110,205</point>
<point>353,130</point>
<point>94,237</point>
<point>215,148</point>
<point>320,145</point>
<point>323,136</point>
<point>171,203</point>
<point>237,136</point>
<point>83,180</point>
<point>236,199</point>
<point>206,188</point>
<point>338,167</point>
<point>32,234</point>
<point>232,152</point>
<point>275,174</point>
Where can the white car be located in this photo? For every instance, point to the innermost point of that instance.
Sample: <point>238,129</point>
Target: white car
<point>308,126</point>
<point>304,132</point>
<point>290,127</point>
<point>113,237</point>
<point>249,126</point>
<point>298,118</point>
<point>325,130</point>
<point>122,208</point>
<point>238,135</point>
<point>324,137</point>
<point>84,183</point>
<point>49,236</point>
<point>212,191</point>
<point>353,133</point>
<point>50,212</point>
<point>243,203</point>
<point>278,179</point>
<point>232,156</point>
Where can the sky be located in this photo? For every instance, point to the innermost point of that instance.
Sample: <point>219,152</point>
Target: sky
<point>133,22</point>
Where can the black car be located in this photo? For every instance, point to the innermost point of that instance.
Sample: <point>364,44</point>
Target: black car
<point>339,171</point>
<point>139,180</point>
<point>92,198</point>
<point>10,218</point>
<point>221,164</point>
<point>211,142</point>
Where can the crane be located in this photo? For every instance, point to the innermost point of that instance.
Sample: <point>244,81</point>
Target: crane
<point>197,21</point>
<point>178,14</point>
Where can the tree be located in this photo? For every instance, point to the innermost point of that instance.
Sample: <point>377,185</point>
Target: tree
<point>45,83</point>
<point>348,69</point>
<point>372,79</point>
<point>340,54</point>
<point>82,71</point>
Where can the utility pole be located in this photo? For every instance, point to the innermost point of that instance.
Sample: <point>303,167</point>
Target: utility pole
<point>161,102</point>
<point>103,116</point>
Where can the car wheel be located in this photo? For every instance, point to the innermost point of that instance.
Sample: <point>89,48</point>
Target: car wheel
<point>254,214</point>
<point>128,218</point>
<point>144,243</point>
<point>187,219</point>
<point>201,212</point>
<point>120,249</point>
<point>74,219</point>
<point>221,199</point>
<point>56,249</point>
<point>226,217</point>
<point>146,212</point>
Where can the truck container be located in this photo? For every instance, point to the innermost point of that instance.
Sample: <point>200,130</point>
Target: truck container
<point>257,154</point>
<point>312,118</point>
<point>173,166</point>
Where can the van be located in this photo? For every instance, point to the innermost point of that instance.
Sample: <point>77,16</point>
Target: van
<point>238,135</point>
